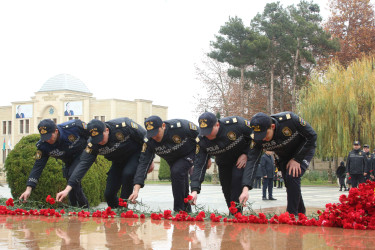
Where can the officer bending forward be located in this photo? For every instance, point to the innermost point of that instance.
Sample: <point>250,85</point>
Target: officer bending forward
<point>120,141</point>
<point>65,141</point>
<point>294,141</point>
<point>227,139</point>
<point>174,141</point>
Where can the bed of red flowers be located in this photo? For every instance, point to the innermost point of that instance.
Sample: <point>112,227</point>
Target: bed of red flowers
<point>355,211</point>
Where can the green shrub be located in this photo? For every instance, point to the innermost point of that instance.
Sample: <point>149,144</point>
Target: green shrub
<point>164,171</point>
<point>315,176</point>
<point>21,160</point>
<point>208,177</point>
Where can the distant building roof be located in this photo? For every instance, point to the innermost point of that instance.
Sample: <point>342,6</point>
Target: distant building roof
<point>64,82</point>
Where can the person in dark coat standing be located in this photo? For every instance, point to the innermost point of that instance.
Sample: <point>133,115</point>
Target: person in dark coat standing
<point>340,173</point>
<point>258,178</point>
<point>267,164</point>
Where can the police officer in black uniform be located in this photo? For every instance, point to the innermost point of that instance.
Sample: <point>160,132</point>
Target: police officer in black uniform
<point>294,142</point>
<point>356,164</point>
<point>120,141</point>
<point>174,141</point>
<point>65,141</point>
<point>372,166</point>
<point>366,152</point>
<point>228,139</point>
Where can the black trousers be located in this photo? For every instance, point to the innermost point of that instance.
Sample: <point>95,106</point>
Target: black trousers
<point>356,179</point>
<point>121,174</point>
<point>76,196</point>
<point>231,182</point>
<point>257,182</point>
<point>295,203</point>
<point>180,182</point>
<point>267,184</point>
<point>342,182</point>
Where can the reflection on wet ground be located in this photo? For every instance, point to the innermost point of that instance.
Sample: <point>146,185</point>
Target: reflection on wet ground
<point>34,232</point>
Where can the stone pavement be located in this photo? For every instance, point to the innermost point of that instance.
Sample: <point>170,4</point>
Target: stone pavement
<point>160,197</point>
<point>211,197</point>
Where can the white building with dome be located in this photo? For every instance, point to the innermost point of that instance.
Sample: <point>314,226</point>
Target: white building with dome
<point>62,98</point>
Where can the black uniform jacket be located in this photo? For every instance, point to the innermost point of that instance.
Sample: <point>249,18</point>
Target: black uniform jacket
<point>356,163</point>
<point>70,144</point>
<point>125,138</point>
<point>293,138</point>
<point>232,140</point>
<point>179,140</point>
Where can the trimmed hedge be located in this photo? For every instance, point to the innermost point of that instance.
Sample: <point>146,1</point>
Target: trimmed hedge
<point>21,160</point>
<point>164,170</point>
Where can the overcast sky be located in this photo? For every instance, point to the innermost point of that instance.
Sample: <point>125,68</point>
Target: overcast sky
<point>119,49</point>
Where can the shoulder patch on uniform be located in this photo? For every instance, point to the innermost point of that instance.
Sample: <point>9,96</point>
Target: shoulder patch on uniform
<point>176,139</point>
<point>231,135</point>
<point>72,138</point>
<point>302,121</point>
<point>287,131</point>
<point>284,117</point>
<point>134,125</point>
<point>176,125</point>
<point>144,147</point>
<point>247,123</point>
<point>122,124</point>
<point>38,154</point>
<point>252,144</point>
<point>192,126</point>
<point>120,136</point>
<point>88,150</point>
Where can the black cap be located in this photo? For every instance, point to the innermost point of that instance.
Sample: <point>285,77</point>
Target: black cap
<point>366,146</point>
<point>46,128</point>
<point>96,129</point>
<point>260,122</point>
<point>356,143</point>
<point>206,121</point>
<point>152,125</point>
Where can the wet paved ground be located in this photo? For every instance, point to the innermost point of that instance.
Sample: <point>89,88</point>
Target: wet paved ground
<point>32,232</point>
<point>39,232</point>
<point>211,197</point>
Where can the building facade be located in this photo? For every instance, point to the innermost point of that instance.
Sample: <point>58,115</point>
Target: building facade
<point>62,98</point>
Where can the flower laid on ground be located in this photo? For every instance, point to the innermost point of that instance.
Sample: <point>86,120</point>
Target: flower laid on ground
<point>122,203</point>
<point>355,211</point>
<point>10,202</point>
<point>50,200</point>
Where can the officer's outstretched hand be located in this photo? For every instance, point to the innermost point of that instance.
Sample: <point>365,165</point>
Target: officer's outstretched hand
<point>151,168</point>
<point>134,195</point>
<point>294,168</point>
<point>195,197</point>
<point>241,162</point>
<point>244,196</point>
<point>60,196</point>
<point>25,195</point>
